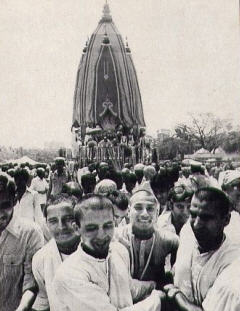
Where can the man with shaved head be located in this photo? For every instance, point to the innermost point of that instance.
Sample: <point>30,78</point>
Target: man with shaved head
<point>148,247</point>
<point>96,277</point>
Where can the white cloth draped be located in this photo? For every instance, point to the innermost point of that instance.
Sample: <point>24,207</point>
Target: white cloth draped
<point>86,283</point>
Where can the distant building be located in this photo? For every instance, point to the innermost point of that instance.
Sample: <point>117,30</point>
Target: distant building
<point>162,134</point>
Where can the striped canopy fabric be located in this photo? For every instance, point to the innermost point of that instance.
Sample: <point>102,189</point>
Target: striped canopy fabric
<point>107,91</point>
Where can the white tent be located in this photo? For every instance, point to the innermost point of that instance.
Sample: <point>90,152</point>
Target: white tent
<point>219,151</point>
<point>202,151</point>
<point>24,159</point>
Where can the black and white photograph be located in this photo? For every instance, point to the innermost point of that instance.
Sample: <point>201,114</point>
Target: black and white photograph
<point>120,155</point>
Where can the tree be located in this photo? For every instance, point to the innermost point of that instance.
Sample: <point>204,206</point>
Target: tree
<point>204,131</point>
<point>170,147</point>
<point>232,142</point>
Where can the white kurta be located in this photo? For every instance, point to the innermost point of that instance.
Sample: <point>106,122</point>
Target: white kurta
<point>44,265</point>
<point>39,184</point>
<point>27,207</point>
<point>225,294</point>
<point>86,283</point>
<point>196,273</point>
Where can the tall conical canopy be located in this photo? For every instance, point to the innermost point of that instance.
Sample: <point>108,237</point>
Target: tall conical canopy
<point>107,91</point>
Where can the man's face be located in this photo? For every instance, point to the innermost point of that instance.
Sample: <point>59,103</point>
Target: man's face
<point>97,229</point>
<point>60,221</point>
<point>143,214</point>
<point>6,210</point>
<point>118,214</point>
<point>180,212</point>
<point>207,224</point>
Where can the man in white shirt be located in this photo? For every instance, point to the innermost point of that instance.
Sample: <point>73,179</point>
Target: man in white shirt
<point>40,185</point>
<point>26,205</point>
<point>174,219</point>
<point>97,277</point>
<point>58,178</point>
<point>200,263</point>
<point>65,239</point>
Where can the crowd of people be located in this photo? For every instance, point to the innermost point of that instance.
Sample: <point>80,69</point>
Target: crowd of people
<point>164,236</point>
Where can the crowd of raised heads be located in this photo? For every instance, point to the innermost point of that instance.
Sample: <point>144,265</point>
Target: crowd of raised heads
<point>159,236</point>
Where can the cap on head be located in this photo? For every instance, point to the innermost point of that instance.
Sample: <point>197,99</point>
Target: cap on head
<point>143,196</point>
<point>125,170</point>
<point>139,167</point>
<point>180,194</point>
<point>103,164</point>
<point>105,186</point>
<point>231,178</point>
<point>149,172</point>
<point>60,161</point>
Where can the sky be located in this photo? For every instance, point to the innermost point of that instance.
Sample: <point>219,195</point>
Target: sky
<point>186,53</point>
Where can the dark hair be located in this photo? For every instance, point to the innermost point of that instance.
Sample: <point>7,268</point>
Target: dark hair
<point>72,188</point>
<point>159,183</point>
<point>8,186</point>
<point>118,179</point>
<point>91,202</point>
<point>215,198</point>
<point>119,199</point>
<point>197,169</point>
<point>131,178</point>
<point>63,197</point>
<point>40,171</point>
<point>91,167</point>
<point>21,173</point>
<point>88,182</point>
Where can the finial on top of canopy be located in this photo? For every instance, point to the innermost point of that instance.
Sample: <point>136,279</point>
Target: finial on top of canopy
<point>106,13</point>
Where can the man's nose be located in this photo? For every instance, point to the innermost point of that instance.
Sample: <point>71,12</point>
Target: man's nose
<point>186,211</point>
<point>61,224</point>
<point>144,213</point>
<point>101,233</point>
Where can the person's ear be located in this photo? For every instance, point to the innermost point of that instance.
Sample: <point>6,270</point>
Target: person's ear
<point>170,205</point>
<point>76,227</point>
